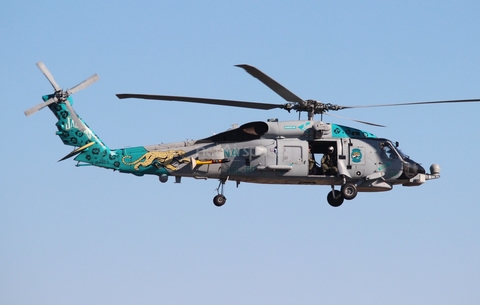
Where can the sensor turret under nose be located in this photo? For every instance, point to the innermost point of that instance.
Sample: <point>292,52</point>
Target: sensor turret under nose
<point>435,169</point>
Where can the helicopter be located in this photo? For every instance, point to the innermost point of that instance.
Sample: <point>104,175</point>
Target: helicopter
<point>264,152</point>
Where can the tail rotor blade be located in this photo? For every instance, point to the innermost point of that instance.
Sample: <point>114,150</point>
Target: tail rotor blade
<point>49,75</point>
<point>40,106</point>
<point>74,116</point>
<point>92,79</point>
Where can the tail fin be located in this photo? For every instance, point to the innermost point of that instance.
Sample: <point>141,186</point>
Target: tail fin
<point>72,130</point>
<point>91,149</point>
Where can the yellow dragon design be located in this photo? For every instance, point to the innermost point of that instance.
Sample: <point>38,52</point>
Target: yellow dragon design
<point>164,158</point>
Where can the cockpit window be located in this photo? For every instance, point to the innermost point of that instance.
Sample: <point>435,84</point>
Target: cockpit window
<point>387,151</point>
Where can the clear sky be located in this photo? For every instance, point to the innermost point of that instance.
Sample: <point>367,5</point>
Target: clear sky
<point>90,236</point>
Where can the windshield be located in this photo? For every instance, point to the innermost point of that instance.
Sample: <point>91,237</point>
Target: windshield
<point>402,154</point>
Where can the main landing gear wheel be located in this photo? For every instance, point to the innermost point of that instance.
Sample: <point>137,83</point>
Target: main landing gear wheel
<point>335,198</point>
<point>349,191</point>
<point>219,200</point>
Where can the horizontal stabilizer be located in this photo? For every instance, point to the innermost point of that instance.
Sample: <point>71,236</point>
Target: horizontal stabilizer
<point>77,151</point>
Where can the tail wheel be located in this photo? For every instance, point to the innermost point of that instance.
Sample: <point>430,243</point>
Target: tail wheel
<point>219,200</point>
<point>335,198</point>
<point>349,191</point>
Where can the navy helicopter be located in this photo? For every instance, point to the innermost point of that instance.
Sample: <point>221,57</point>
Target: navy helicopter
<point>303,152</point>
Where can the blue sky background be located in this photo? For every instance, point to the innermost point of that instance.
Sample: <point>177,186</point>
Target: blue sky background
<point>90,236</point>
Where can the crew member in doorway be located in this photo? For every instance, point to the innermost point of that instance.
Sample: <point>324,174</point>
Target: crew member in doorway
<point>328,165</point>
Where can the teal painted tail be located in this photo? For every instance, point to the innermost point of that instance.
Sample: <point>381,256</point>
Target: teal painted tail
<point>90,149</point>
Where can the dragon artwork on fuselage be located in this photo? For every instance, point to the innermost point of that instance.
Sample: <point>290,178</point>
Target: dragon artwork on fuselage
<point>159,159</point>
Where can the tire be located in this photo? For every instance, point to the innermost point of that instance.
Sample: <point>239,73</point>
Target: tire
<point>349,191</point>
<point>219,200</point>
<point>335,200</point>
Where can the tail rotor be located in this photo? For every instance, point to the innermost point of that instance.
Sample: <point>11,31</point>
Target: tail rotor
<point>61,96</point>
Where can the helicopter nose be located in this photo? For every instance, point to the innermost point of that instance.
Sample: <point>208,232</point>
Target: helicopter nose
<point>411,169</point>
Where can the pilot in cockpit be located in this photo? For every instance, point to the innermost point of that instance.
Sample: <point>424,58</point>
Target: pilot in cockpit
<point>386,152</point>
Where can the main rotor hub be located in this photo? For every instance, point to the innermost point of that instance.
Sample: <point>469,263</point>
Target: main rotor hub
<point>317,107</point>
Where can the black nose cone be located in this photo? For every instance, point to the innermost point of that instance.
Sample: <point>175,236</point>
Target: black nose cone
<point>411,169</point>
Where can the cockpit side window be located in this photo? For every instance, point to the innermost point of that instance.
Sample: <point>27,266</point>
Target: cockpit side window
<point>387,151</point>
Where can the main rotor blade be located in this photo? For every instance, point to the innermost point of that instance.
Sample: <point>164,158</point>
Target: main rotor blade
<point>242,104</point>
<point>49,75</point>
<point>83,84</point>
<point>40,106</point>
<point>415,103</point>
<point>272,84</point>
